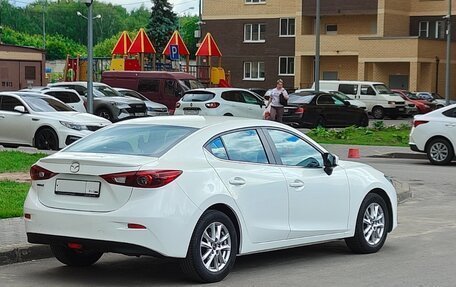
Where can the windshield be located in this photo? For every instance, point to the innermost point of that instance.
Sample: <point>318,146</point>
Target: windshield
<point>300,98</point>
<point>382,89</point>
<point>189,84</point>
<point>45,104</point>
<point>141,140</point>
<point>106,91</point>
<point>198,96</point>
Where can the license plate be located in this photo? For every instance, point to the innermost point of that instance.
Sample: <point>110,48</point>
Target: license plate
<point>285,110</point>
<point>77,187</point>
<point>191,112</point>
<point>140,114</point>
<point>401,109</point>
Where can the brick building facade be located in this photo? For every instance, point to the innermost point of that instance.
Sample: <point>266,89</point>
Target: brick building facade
<point>401,43</point>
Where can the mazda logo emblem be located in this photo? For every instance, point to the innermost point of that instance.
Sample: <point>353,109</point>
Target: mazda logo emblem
<point>74,167</point>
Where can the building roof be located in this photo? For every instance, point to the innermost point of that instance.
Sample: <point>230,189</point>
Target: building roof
<point>9,47</point>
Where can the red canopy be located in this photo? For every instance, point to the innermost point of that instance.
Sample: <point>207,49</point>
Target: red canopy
<point>124,42</point>
<point>142,44</point>
<point>208,47</point>
<point>176,39</point>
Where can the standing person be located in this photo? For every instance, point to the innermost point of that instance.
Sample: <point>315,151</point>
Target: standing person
<point>274,101</point>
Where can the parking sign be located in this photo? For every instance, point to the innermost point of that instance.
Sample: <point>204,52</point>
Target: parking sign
<point>174,49</point>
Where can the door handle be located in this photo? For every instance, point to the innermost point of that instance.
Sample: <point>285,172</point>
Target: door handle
<point>238,181</point>
<point>2,116</point>
<point>296,184</point>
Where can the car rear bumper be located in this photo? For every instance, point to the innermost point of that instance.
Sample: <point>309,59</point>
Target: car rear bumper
<point>413,147</point>
<point>397,111</point>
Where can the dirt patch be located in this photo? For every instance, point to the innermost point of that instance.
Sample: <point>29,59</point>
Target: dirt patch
<point>15,176</point>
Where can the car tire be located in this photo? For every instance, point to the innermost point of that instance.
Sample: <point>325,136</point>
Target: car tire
<point>104,113</point>
<point>363,121</point>
<point>440,151</point>
<point>228,115</point>
<point>207,261</point>
<point>74,257</point>
<point>46,139</point>
<point>378,113</point>
<point>372,225</point>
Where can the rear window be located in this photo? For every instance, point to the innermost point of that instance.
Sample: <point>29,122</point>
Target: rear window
<point>141,140</point>
<point>66,97</point>
<point>349,89</point>
<point>198,97</point>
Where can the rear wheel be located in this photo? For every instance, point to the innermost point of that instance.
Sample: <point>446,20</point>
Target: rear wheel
<point>440,151</point>
<point>75,257</point>
<point>212,250</point>
<point>46,139</point>
<point>378,113</point>
<point>371,226</point>
<point>228,115</point>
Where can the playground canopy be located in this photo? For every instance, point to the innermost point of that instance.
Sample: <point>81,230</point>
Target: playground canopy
<point>123,44</point>
<point>176,39</point>
<point>142,44</point>
<point>208,47</point>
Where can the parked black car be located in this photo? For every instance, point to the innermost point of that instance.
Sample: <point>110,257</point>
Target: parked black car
<point>310,109</point>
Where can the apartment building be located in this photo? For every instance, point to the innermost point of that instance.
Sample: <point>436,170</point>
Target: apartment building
<point>399,42</point>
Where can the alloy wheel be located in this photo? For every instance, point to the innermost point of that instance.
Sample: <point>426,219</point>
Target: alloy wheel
<point>215,247</point>
<point>373,224</point>
<point>439,152</point>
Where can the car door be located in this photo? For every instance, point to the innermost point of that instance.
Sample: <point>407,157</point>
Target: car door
<point>150,88</point>
<point>234,104</point>
<point>369,97</point>
<point>15,127</point>
<point>254,106</point>
<point>319,203</point>
<point>449,128</point>
<point>258,187</point>
<point>327,108</point>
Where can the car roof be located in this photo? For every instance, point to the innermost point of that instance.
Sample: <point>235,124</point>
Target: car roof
<point>218,90</point>
<point>80,83</point>
<point>25,94</point>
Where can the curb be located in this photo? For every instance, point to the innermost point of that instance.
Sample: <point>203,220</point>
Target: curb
<point>22,253</point>
<point>400,155</point>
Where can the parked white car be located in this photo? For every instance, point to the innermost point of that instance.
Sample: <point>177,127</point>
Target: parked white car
<point>340,95</point>
<point>153,109</point>
<point>221,102</point>
<point>204,189</point>
<point>435,134</point>
<point>42,121</point>
<point>70,97</point>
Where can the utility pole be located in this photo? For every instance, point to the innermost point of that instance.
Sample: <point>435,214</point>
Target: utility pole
<point>317,47</point>
<point>448,57</point>
<point>44,23</point>
<point>89,56</point>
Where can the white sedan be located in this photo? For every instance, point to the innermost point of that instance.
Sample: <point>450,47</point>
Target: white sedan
<point>204,189</point>
<point>435,134</point>
<point>221,102</point>
<point>42,121</point>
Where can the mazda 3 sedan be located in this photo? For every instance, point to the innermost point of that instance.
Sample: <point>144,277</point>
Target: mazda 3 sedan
<point>203,189</point>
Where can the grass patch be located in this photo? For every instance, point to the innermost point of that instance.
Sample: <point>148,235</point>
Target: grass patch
<point>12,197</point>
<point>15,161</point>
<point>379,135</point>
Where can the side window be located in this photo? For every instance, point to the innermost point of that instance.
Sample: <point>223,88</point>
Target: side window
<point>338,102</point>
<point>325,100</point>
<point>450,113</point>
<point>249,98</point>
<point>367,90</point>
<point>8,103</point>
<point>245,146</point>
<point>147,85</point>
<point>293,151</point>
<point>217,148</point>
<point>349,89</point>
<point>171,88</point>
<point>232,96</point>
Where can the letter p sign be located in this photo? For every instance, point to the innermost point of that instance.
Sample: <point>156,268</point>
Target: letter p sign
<point>174,52</point>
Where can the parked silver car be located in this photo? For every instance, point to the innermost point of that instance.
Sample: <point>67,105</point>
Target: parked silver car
<point>153,108</point>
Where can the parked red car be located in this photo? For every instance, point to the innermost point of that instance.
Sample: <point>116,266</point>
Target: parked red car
<point>423,106</point>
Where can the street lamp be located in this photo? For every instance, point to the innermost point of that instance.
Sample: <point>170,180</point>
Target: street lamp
<point>448,56</point>
<point>317,47</point>
<point>181,12</point>
<point>89,54</point>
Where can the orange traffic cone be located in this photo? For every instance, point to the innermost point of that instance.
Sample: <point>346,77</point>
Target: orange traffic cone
<point>353,153</point>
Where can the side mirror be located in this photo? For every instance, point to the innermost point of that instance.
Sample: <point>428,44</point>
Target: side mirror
<point>347,103</point>
<point>330,162</point>
<point>20,109</point>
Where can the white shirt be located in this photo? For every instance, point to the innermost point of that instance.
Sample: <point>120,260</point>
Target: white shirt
<point>275,96</point>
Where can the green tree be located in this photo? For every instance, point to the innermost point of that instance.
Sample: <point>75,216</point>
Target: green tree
<point>188,25</point>
<point>162,23</point>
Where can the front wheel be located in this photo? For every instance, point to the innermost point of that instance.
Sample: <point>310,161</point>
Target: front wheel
<point>378,113</point>
<point>371,226</point>
<point>212,250</point>
<point>46,139</point>
<point>75,257</point>
<point>440,152</point>
<point>363,121</point>
<point>105,113</point>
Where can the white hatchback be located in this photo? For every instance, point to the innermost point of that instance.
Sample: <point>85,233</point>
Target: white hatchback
<point>221,102</point>
<point>204,189</point>
<point>39,120</point>
<point>435,134</point>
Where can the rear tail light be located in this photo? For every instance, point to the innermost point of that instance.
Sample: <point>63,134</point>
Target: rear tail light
<point>299,111</point>
<point>144,178</point>
<point>73,245</point>
<point>212,105</point>
<point>417,123</point>
<point>178,105</point>
<point>39,173</point>
<point>135,226</point>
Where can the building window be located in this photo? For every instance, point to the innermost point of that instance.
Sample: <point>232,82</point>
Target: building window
<point>330,75</point>
<point>255,1</point>
<point>286,66</point>
<point>424,29</point>
<point>331,29</point>
<point>254,71</point>
<point>254,32</point>
<point>287,27</point>
<point>440,30</point>
<point>30,73</point>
